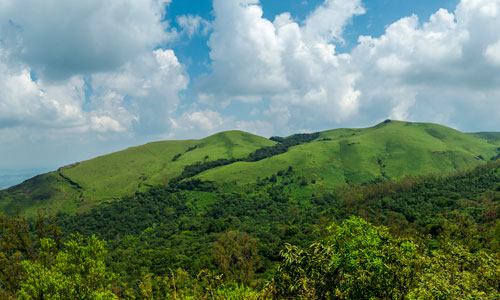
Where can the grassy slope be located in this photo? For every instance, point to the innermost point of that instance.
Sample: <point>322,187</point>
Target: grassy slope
<point>391,150</point>
<point>492,137</point>
<point>122,173</point>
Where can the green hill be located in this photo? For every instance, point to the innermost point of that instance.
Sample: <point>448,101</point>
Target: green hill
<point>389,150</point>
<point>79,186</point>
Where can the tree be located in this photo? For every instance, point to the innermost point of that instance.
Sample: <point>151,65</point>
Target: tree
<point>17,244</point>
<point>357,261</point>
<point>236,256</point>
<point>78,272</point>
<point>453,272</point>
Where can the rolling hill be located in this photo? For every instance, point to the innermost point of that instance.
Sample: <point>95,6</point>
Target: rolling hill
<point>389,150</point>
<point>79,186</point>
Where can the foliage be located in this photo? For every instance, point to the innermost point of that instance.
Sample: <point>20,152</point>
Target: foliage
<point>436,225</point>
<point>166,228</point>
<point>361,261</point>
<point>464,200</point>
<point>236,256</point>
<point>283,145</point>
<point>18,244</point>
<point>35,264</point>
<point>77,272</point>
<point>206,286</point>
<point>453,272</point>
<point>111,177</point>
<point>394,150</point>
<point>358,261</point>
<point>259,154</point>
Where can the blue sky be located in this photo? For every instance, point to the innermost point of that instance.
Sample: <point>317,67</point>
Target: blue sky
<point>86,78</point>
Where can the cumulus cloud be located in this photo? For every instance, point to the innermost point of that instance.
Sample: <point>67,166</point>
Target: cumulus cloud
<point>199,123</point>
<point>144,92</point>
<point>206,120</point>
<point>145,89</point>
<point>295,66</point>
<point>203,122</point>
<point>492,53</point>
<point>328,21</point>
<point>245,53</point>
<point>29,103</point>
<point>59,39</point>
<point>96,69</point>
<point>443,70</point>
<point>84,73</point>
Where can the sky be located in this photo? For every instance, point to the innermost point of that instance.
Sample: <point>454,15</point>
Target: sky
<point>80,79</point>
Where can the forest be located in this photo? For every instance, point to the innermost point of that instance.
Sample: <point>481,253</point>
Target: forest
<point>426,237</point>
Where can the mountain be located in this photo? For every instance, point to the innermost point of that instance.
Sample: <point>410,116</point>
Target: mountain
<point>232,159</point>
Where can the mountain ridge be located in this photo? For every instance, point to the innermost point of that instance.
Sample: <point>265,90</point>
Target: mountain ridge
<point>388,150</point>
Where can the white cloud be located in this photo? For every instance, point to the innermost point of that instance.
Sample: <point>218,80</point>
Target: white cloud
<point>90,71</point>
<point>105,123</point>
<point>60,39</point>
<point>75,77</point>
<point>292,65</point>
<point>445,68</point>
<point>245,53</point>
<point>95,65</point>
<point>258,127</point>
<point>28,103</point>
<point>492,53</point>
<point>143,90</point>
<point>201,123</point>
<point>150,85</point>
<point>441,70</point>
<point>192,25</point>
<point>327,22</point>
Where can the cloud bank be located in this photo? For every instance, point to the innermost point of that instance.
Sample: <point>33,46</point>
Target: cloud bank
<point>445,69</point>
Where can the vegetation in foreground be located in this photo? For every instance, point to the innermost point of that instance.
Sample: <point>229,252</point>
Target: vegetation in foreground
<point>355,260</point>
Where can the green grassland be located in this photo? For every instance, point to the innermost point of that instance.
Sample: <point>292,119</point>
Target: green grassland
<point>389,150</point>
<point>79,186</point>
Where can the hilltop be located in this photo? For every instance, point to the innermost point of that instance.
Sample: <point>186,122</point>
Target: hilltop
<point>390,150</point>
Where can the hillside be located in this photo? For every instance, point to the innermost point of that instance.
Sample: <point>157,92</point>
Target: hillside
<point>389,150</point>
<point>79,186</point>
